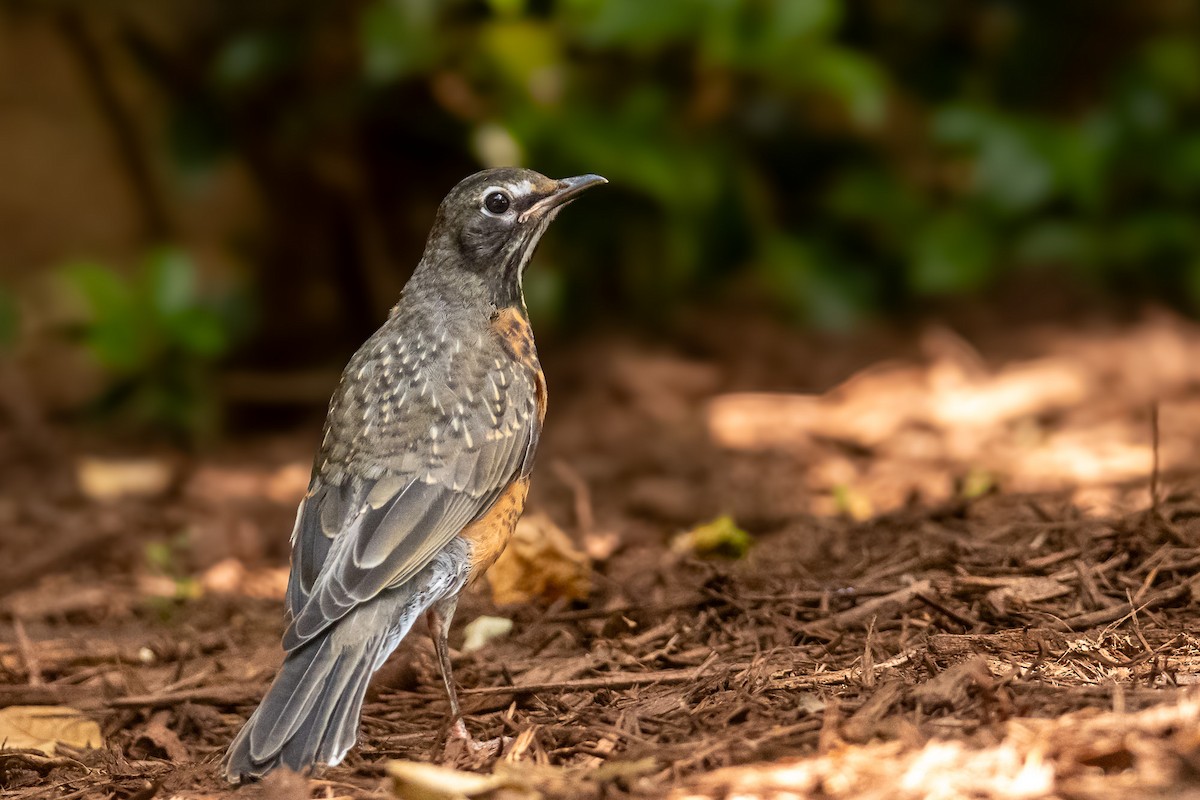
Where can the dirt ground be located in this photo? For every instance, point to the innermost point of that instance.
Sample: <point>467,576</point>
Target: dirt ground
<point>973,575</point>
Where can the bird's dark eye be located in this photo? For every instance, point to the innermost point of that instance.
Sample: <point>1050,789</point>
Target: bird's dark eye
<point>496,202</point>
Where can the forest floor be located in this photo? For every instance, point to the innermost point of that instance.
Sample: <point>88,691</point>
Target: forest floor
<point>973,574</point>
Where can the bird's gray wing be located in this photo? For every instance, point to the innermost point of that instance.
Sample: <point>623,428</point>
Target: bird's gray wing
<point>360,536</point>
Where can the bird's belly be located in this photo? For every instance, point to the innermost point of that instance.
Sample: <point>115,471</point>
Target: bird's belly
<point>489,535</point>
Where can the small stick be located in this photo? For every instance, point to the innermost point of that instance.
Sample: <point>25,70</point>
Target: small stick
<point>1154,463</point>
<point>841,675</point>
<point>620,680</point>
<point>875,607</point>
<point>33,669</point>
<point>584,517</point>
<point>1118,612</point>
<point>965,620</point>
<point>213,695</point>
<point>868,658</point>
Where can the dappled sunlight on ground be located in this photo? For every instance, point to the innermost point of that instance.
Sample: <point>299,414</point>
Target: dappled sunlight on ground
<point>935,551</point>
<point>1076,418</point>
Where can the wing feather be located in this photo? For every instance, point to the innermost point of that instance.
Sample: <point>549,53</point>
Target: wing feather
<point>355,540</point>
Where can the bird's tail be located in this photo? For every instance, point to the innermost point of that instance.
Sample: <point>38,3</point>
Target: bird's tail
<point>310,715</point>
<point>311,712</point>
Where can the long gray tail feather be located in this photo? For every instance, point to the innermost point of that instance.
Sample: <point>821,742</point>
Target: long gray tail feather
<point>310,714</point>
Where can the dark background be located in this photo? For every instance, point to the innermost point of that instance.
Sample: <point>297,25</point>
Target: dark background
<point>205,206</point>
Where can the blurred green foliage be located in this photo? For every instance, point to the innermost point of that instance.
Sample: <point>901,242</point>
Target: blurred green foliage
<point>157,337</point>
<point>841,158</point>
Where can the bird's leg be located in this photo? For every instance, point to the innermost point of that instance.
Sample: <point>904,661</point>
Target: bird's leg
<point>439,618</point>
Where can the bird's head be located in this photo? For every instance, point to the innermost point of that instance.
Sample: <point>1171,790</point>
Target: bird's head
<point>491,222</point>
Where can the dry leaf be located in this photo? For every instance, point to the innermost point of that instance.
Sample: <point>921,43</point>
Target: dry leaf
<point>482,630</point>
<point>43,728</point>
<point>522,780</point>
<point>414,780</point>
<point>540,563</point>
<point>109,479</point>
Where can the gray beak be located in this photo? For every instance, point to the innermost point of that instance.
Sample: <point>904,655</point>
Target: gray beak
<point>566,191</point>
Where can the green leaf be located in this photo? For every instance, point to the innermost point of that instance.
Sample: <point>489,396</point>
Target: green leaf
<point>878,200</point>
<point>954,252</point>
<point>635,25</point>
<point>169,281</point>
<point>812,283</point>
<point>105,293</point>
<point>520,49</point>
<point>792,20</point>
<point>1058,242</point>
<point>119,334</point>
<point>199,332</point>
<point>1173,62</point>
<point>398,38</point>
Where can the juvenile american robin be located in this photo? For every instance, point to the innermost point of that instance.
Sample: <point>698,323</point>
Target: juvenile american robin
<point>421,475</point>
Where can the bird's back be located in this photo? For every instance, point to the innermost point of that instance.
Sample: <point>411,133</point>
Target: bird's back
<point>441,408</point>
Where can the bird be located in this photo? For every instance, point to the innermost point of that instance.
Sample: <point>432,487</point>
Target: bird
<point>421,475</point>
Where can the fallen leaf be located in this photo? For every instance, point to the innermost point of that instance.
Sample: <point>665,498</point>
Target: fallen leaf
<point>414,780</point>
<point>482,630</point>
<point>511,780</point>
<point>721,537</point>
<point>109,479</point>
<point>43,728</point>
<point>540,563</point>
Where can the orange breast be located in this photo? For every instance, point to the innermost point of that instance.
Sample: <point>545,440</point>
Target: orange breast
<point>489,535</point>
<point>513,330</point>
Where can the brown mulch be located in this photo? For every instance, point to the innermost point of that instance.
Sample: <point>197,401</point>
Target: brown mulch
<point>974,575</point>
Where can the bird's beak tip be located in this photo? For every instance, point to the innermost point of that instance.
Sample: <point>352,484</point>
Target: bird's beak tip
<point>566,191</point>
<point>581,182</point>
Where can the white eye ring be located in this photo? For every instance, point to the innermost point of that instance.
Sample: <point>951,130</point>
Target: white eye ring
<point>497,202</point>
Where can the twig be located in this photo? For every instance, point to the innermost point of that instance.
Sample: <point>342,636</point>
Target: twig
<point>1154,468</point>
<point>87,696</point>
<point>583,614</point>
<point>965,620</point>
<point>584,516</point>
<point>1088,584</point>
<point>1119,611</point>
<point>36,760</point>
<point>880,606</point>
<point>868,657</point>
<point>33,670</point>
<point>842,675</point>
<point>620,680</point>
<point>211,695</point>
